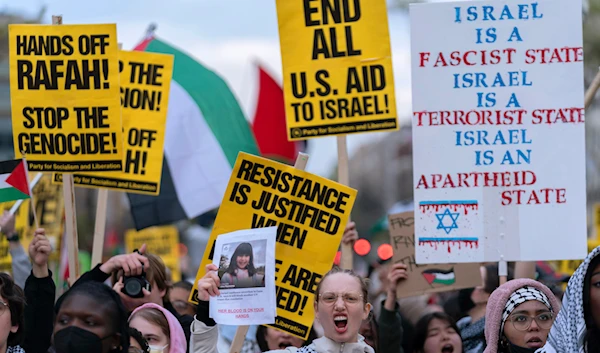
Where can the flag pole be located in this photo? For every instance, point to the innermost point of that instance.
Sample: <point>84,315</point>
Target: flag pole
<point>18,204</point>
<point>30,189</point>
<point>70,216</point>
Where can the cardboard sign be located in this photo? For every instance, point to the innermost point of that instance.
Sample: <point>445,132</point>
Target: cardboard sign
<point>64,88</point>
<point>337,67</point>
<point>160,241</point>
<point>498,101</point>
<point>424,279</point>
<point>145,84</point>
<point>310,212</point>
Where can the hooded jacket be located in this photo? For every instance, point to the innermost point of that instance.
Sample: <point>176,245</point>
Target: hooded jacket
<point>497,303</point>
<point>568,332</point>
<point>177,343</point>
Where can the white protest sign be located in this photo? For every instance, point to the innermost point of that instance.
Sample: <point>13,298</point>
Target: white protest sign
<point>246,261</point>
<point>498,131</point>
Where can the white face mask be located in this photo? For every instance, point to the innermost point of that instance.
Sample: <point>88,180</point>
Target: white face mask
<point>155,349</point>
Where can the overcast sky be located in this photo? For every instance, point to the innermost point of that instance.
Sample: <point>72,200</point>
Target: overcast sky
<point>225,35</point>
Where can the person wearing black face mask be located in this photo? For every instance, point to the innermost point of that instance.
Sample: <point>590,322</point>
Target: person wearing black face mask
<point>91,319</point>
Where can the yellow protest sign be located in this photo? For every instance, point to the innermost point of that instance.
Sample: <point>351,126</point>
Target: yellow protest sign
<point>337,67</point>
<point>310,212</point>
<point>160,241</point>
<point>50,208</point>
<point>22,229</point>
<point>145,84</point>
<point>64,87</point>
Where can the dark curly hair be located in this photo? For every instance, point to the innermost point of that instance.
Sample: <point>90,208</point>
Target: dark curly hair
<point>14,298</point>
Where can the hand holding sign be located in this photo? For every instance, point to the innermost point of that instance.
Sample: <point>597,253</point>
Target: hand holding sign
<point>350,234</point>
<point>39,252</point>
<point>208,286</point>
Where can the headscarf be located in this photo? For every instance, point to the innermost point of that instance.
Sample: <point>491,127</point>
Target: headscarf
<point>500,300</point>
<point>177,343</point>
<point>568,332</point>
<point>521,296</point>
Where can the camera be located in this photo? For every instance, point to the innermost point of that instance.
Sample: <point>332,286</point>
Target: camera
<point>133,285</point>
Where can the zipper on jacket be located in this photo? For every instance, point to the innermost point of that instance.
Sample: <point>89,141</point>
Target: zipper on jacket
<point>342,347</point>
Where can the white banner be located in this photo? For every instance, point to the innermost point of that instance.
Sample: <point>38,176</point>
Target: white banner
<point>498,131</point>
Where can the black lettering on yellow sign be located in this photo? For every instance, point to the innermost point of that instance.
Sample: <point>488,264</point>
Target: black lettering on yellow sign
<point>286,233</point>
<point>332,42</point>
<point>146,74</point>
<point>38,143</point>
<point>290,301</point>
<point>294,185</point>
<point>74,74</point>
<point>135,161</point>
<point>62,74</point>
<point>56,45</point>
<point>301,278</point>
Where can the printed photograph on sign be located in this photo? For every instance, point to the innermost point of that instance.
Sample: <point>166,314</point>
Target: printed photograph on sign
<point>498,103</point>
<point>64,90</point>
<point>246,261</point>
<point>337,67</point>
<point>242,265</point>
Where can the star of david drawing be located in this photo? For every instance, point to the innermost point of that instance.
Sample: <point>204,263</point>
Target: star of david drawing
<point>451,219</point>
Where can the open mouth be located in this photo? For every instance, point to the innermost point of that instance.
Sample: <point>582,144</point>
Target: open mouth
<point>448,348</point>
<point>535,342</point>
<point>341,323</point>
<point>284,344</point>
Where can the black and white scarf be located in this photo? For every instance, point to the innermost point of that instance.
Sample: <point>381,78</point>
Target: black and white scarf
<point>568,332</point>
<point>15,349</point>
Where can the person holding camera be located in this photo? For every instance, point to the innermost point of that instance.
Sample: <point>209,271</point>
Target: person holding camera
<point>141,278</point>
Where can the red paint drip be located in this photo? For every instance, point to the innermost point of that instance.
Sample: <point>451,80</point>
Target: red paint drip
<point>465,207</point>
<point>452,243</point>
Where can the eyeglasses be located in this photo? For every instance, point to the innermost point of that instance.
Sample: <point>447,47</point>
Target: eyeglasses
<point>180,305</point>
<point>349,298</point>
<point>523,322</point>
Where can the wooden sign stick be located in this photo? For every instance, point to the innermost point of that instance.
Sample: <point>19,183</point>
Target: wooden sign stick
<point>240,333</point>
<point>100,225</point>
<point>346,259</point>
<point>70,217</point>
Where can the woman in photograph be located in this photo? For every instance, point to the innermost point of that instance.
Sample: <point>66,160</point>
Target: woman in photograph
<point>241,272</point>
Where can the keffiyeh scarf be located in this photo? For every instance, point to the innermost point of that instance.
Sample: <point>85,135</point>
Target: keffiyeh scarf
<point>568,332</point>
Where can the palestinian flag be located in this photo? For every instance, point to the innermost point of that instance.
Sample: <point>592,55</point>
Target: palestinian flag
<point>433,275</point>
<point>206,129</point>
<point>14,183</point>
